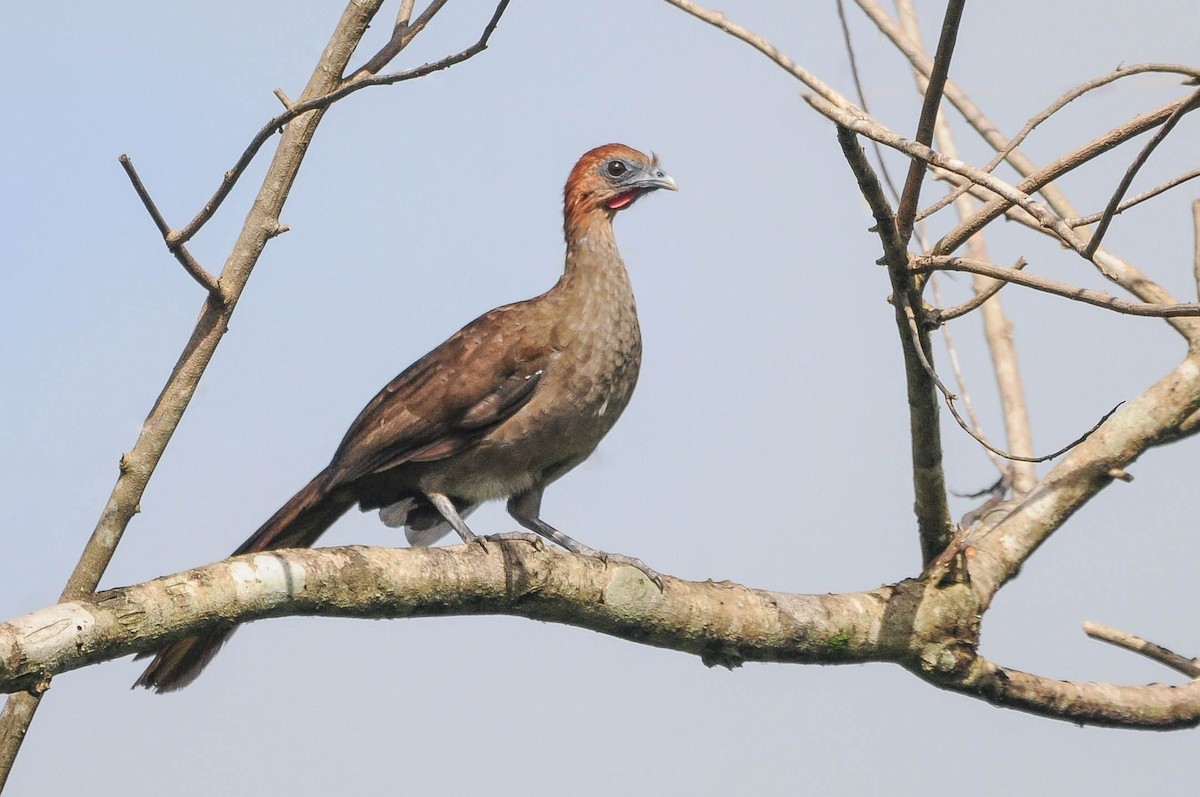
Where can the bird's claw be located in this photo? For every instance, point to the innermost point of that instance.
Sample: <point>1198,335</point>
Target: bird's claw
<point>632,561</point>
<point>537,542</point>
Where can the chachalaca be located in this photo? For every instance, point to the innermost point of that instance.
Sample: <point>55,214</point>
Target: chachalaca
<point>508,404</point>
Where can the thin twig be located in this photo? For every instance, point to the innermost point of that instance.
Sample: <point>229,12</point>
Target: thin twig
<point>951,398</point>
<point>961,382</point>
<point>1112,267</point>
<point>1192,103</point>
<point>1150,193</point>
<point>194,269</point>
<point>979,438</point>
<point>1009,194</point>
<point>929,110</point>
<point>1196,244</point>
<point>402,34</point>
<point>317,103</point>
<point>724,24</point>
<point>1130,642</point>
<point>861,94</point>
<point>939,316</point>
<point>1054,107</point>
<point>1064,289</point>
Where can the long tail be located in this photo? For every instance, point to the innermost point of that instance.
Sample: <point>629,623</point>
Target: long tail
<point>297,524</point>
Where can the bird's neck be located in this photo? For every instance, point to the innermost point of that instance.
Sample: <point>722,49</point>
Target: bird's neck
<point>593,261</point>
<point>594,296</point>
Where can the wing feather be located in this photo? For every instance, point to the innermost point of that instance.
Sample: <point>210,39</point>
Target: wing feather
<point>449,399</point>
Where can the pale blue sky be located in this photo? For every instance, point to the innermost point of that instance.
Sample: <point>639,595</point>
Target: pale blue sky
<point>771,378</point>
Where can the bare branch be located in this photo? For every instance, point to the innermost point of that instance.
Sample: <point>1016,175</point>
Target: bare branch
<point>1196,244</point>
<point>997,327</point>
<point>402,34</point>
<point>861,94</point>
<point>1113,268</point>
<point>194,269</point>
<point>959,380</point>
<point>337,92</point>
<point>1039,180</point>
<point>723,23</point>
<point>723,623</point>
<point>1155,706</point>
<point>969,429</point>
<point>940,316</point>
<point>1008,194</point>
<point>1064,289</point>
<point>1191,104</point>
<point>1137,200</point>
<point>929,111</point>
<point>1122,639</point>
<point>1056,106</point>
<point>1149,419</point>
<point>929,478</point>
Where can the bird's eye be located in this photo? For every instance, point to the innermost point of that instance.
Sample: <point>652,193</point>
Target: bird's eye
<point>616,168</point>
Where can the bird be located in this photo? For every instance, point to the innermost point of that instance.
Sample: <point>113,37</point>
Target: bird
<point>500,410</point>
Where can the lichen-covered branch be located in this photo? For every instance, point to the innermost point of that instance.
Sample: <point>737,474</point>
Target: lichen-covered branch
<point>929,629</point>
<point>721,622</point>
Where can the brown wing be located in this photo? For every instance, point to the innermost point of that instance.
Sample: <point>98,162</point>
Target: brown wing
<point>449,399</point>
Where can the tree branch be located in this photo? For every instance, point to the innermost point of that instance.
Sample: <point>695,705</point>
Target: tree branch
<point>1064,289</point>
<point>1150,419</point>
<point>336,91</point>
<point>870,128</point>
<point>177,248</point>
<point>723,623</point>
<point>940,316</point>
<point>1191,104</point>
<point>1154,706</point>
<point>861,95</point>
<point>1112,267</point>
<point>928,629</point>
<point>997,328</point>
<point>930,503</point>
<point>1056,106</point>
<point>402,34</point>
<point>1196,245</point>
<point>1122,639</point>
<point>723,23</point>
<point>1149,193</point>
<point>907,210</point>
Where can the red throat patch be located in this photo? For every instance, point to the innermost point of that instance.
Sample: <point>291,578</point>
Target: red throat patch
<point>622,201</point>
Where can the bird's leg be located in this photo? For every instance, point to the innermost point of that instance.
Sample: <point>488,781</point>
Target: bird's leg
<point>446,507</point>
<point>525,508</point>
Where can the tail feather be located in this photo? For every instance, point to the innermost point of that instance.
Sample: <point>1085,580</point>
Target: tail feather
<point>297,524</point>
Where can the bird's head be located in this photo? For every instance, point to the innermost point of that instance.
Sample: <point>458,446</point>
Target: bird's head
<point>608,179</point>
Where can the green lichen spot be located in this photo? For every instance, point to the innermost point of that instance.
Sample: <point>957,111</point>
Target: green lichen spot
<point>838,642</point>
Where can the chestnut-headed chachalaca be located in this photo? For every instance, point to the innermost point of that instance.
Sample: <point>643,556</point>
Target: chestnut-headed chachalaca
<point>508,404</point>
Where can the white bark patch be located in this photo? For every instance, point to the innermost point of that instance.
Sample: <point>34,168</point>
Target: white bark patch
<point>268,578</point>
<point>40,632</point>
